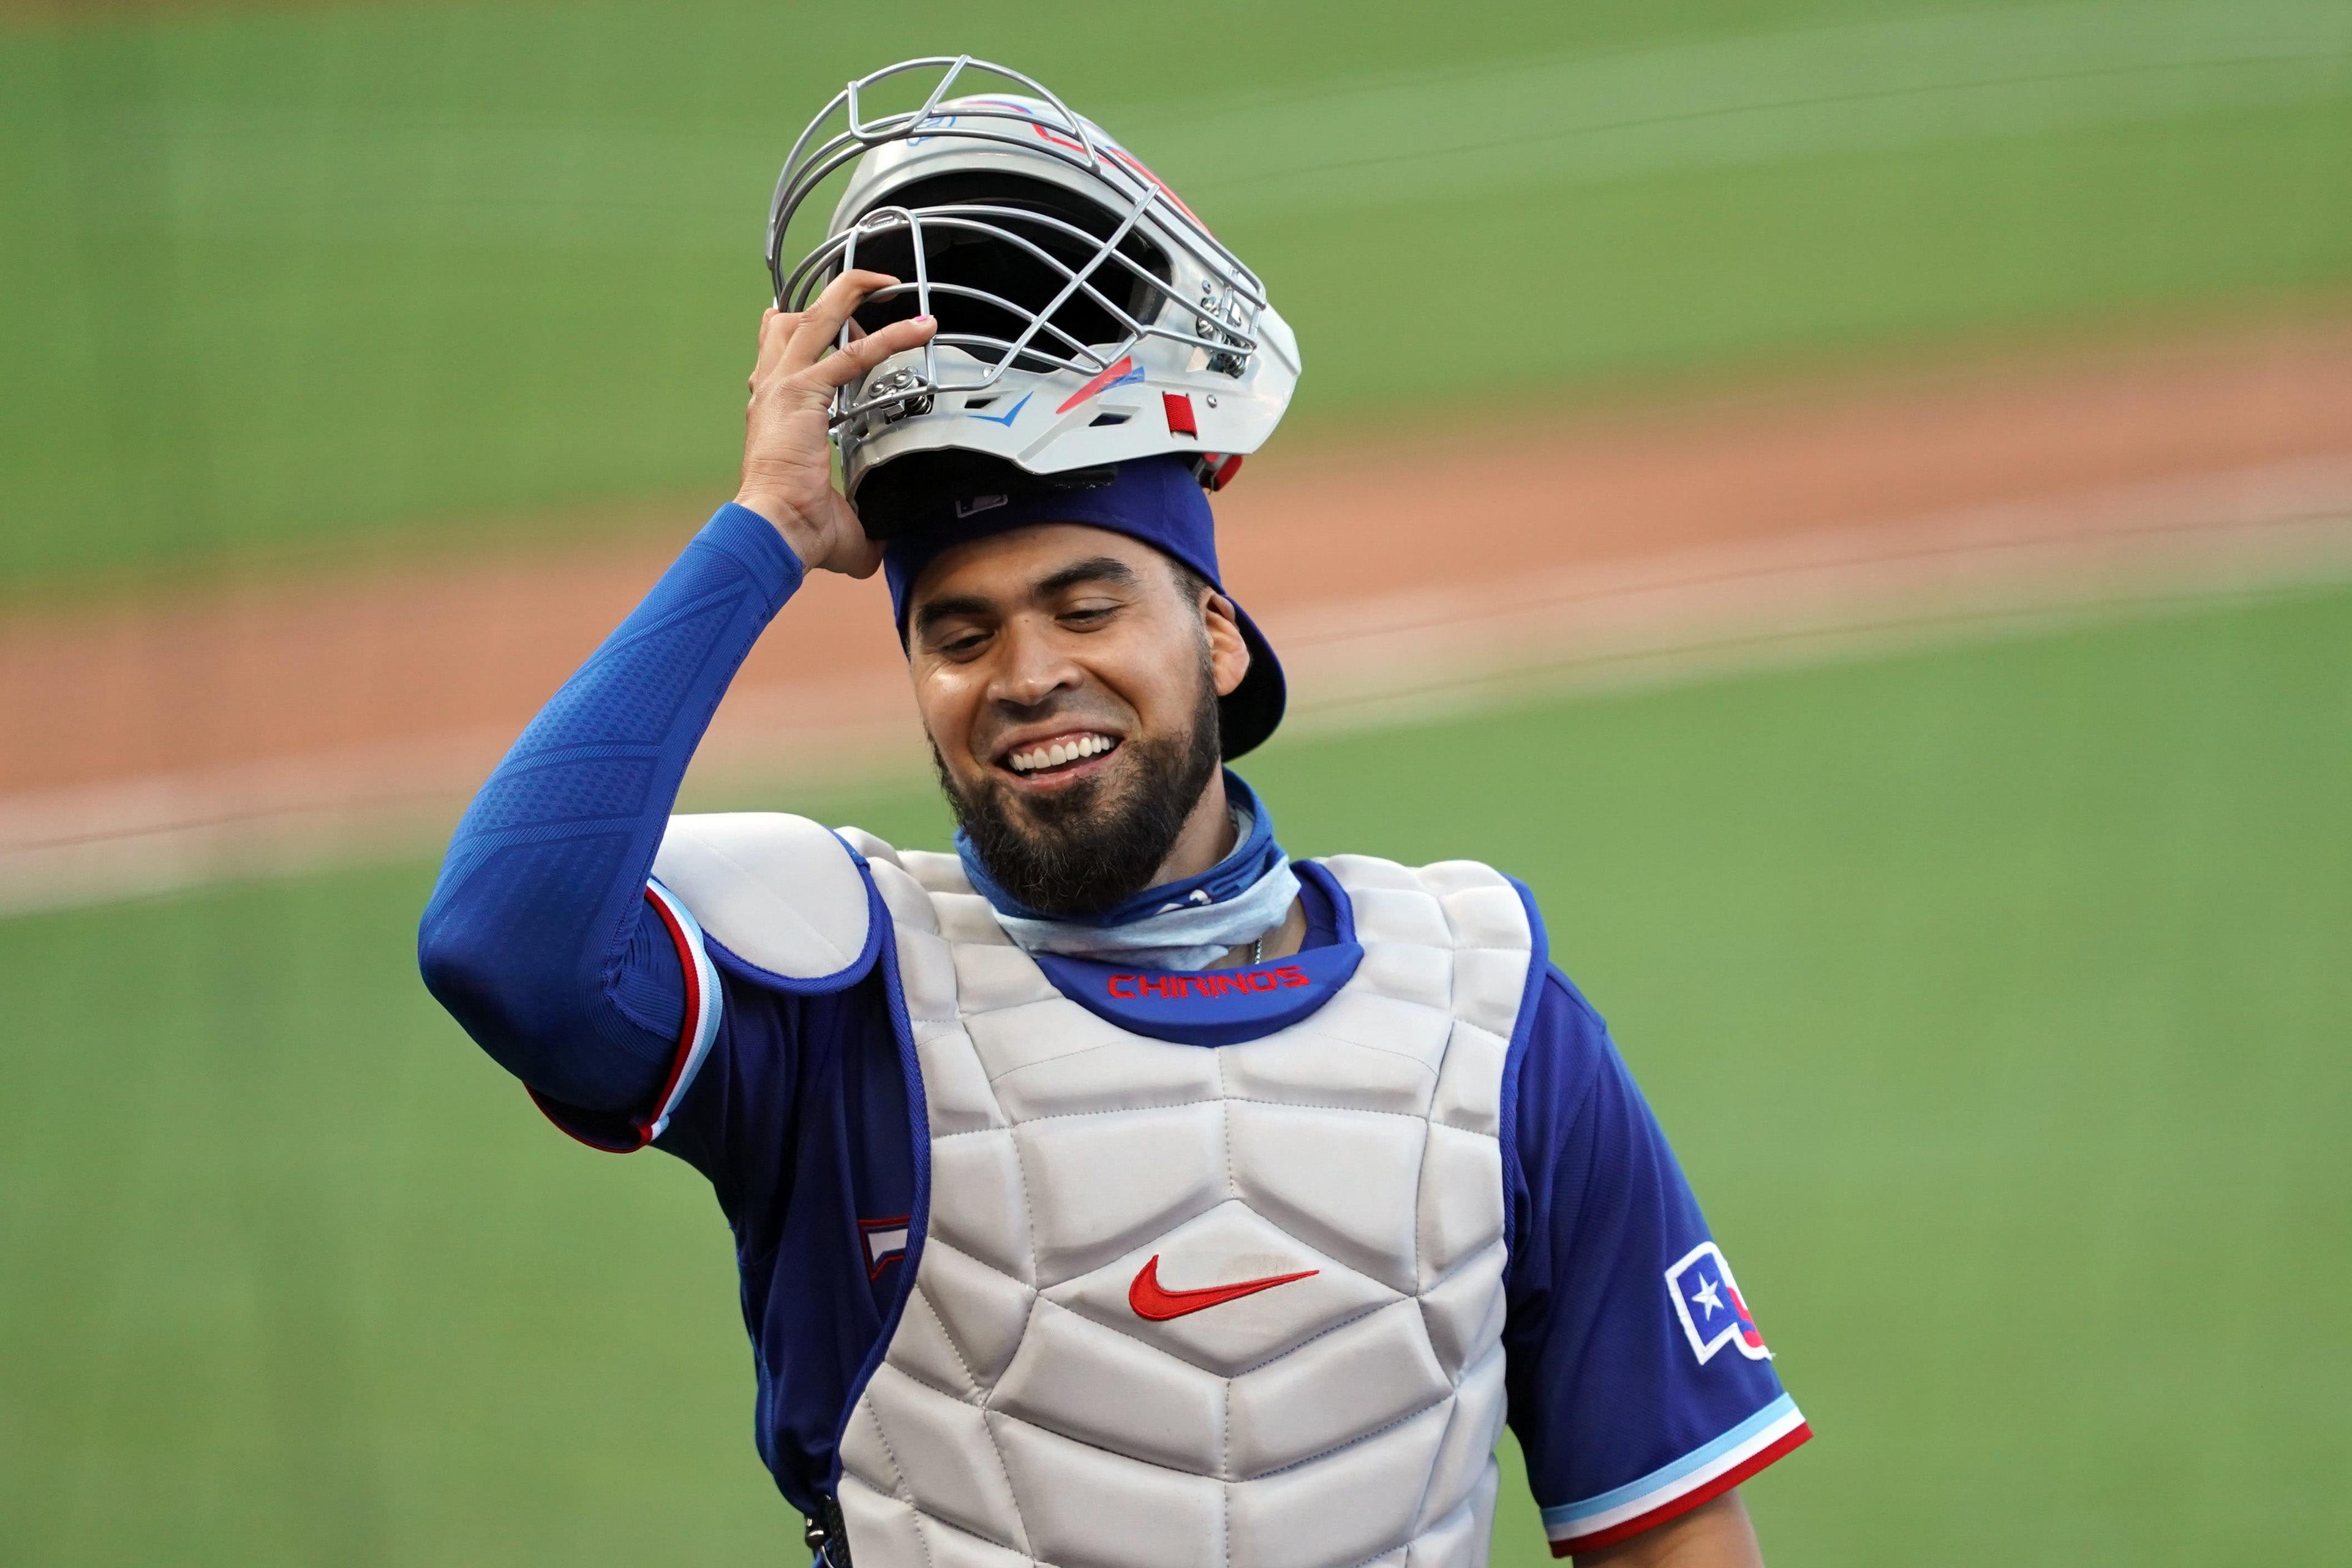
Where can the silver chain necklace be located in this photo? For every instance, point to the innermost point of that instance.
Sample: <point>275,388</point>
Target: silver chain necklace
<point>1258,948</point>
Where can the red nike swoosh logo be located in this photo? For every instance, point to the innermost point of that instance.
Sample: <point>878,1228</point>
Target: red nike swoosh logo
<point>1150,1300</point>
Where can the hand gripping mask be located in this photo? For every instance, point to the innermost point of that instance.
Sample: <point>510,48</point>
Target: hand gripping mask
<point>1085,316</point>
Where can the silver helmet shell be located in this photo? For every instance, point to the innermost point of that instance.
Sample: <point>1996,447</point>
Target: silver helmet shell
<point>1087,316</point>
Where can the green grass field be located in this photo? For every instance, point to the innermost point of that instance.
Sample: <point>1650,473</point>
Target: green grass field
<point>1994,997</point>
<point>286,281</point>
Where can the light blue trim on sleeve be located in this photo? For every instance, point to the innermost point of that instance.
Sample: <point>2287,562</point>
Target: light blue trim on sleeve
<point>709,1003</point>
<point>1665,1476</point>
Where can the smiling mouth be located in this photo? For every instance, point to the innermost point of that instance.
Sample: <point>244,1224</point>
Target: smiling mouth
<point>1060,756</point>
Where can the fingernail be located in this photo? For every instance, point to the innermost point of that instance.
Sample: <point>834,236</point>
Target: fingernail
<point>920,319</point>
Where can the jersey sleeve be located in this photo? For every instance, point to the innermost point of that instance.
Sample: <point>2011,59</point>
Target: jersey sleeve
<point>544,937</point>
<point>1640,1384</point>
<point>682,968</point>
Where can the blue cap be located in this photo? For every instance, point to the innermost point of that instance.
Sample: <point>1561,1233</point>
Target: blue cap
<point>1155,499</point>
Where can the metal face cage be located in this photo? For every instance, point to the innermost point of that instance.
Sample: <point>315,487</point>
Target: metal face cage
<point>1087,267</point>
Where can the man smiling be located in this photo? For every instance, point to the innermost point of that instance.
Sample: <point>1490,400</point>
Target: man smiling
<point>1116,1190</point>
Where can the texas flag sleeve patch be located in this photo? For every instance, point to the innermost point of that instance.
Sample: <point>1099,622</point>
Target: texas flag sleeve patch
<point>1708,1301</point>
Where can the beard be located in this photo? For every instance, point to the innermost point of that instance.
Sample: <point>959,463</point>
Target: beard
<point>1090,845</point>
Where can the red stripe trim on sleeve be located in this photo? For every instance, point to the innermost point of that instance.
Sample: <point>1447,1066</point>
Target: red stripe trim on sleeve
<point>689,1029</point>
<point>548,1109</point>
<point>1690,1499</point>
<point>643,1126</point>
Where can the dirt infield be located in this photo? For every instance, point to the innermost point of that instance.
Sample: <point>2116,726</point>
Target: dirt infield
<point>172,736</point>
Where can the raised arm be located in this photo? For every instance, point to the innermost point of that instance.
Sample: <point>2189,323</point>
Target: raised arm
<point>539,937</point>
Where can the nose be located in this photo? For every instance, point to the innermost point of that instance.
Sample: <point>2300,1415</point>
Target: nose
<point>1031,668</point>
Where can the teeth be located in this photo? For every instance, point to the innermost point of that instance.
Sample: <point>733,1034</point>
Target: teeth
<point>1059,753</point>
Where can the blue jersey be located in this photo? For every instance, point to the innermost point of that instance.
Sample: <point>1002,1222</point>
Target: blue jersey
<point>1639,1384</point>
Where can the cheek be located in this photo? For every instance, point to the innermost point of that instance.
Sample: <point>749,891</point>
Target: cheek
<point>1162,686</point>
<point>947,697</point>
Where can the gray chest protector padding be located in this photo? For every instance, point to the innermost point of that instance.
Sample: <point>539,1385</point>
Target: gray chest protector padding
<point>1027,1408</point>
<point>1029,1413</point>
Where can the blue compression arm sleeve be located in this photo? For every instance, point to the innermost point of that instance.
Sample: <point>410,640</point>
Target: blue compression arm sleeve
<point>537,938</point>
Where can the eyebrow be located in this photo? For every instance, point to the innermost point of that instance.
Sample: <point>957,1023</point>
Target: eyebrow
<point>1105,569</point>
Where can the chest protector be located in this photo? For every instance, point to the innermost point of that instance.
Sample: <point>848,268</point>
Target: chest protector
<point>1174,1305</point>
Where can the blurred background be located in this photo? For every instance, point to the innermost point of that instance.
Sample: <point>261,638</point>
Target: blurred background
<point>1854,503</point>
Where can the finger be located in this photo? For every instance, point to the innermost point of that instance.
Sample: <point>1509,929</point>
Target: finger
<point>820,325</point>
<point>775,331</point>
<point>821,322</point>
<point>839,369</point>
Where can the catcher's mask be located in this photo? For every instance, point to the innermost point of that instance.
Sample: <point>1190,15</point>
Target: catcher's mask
<point>1087,317</point>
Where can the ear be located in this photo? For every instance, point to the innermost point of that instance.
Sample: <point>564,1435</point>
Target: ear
<point>1229,656</point>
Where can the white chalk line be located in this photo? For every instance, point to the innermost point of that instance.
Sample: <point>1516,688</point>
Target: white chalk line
<point>1678,617</point>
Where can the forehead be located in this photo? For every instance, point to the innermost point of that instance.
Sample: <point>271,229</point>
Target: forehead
<point>1008,565</point>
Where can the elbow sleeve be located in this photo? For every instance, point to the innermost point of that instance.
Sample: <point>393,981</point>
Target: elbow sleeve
<point>537,938</point>
<point>577,1035</point>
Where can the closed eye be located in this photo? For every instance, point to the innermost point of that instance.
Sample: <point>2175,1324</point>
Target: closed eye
<point>1089,615</point>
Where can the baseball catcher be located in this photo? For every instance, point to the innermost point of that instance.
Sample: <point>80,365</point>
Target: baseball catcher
<point>1114,1192</point>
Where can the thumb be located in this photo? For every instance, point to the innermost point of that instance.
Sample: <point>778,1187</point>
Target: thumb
<point>856,555</point>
